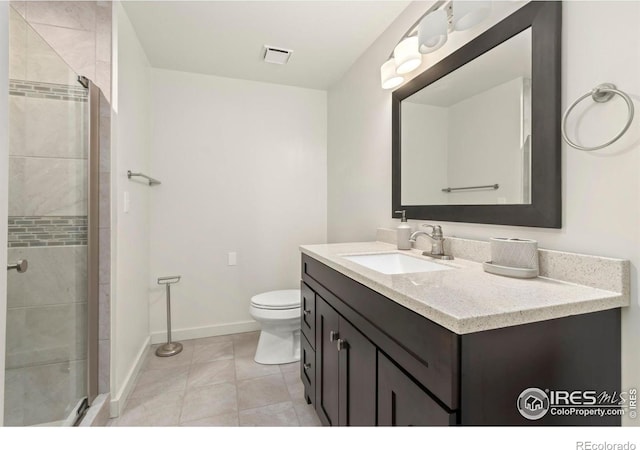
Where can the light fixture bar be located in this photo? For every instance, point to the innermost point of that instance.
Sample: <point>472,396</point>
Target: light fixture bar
<point>429,33</point>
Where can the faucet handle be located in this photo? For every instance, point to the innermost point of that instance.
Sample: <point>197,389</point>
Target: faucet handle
<point>437,230</point>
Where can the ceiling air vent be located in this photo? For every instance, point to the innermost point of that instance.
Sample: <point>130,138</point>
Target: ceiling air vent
<point>275,55</point>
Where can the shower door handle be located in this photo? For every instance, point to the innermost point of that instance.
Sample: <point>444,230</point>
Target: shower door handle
<point>21,266</point>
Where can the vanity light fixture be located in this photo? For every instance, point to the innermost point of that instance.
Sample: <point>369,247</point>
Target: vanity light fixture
<point>432,31</point>
<point>429,34</point>
<point>388,76</point>
<point>468,14</point>
<point>406,55</point>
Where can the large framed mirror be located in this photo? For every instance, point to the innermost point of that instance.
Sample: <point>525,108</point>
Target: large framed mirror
<point>476,137</point>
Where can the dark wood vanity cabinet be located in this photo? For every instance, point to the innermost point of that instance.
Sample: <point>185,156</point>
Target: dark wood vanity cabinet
<point>346,380</point>
<point>338,364</point>
<point>367,360</point>
<point>403,402</point>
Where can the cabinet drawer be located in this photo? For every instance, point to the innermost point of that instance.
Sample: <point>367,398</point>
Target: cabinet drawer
<point>308,313</point>
<point>308,370</point>
<point>403,402</point>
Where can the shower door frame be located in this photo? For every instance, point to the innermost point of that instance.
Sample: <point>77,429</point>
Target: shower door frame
<point>93,241</point>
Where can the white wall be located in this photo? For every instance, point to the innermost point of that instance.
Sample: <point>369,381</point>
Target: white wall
<point>130,239</point>
<point>4,171</point>
<point>243,169</point>
<point>601,191</point>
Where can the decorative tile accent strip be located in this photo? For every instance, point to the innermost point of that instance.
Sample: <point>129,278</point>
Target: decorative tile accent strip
<point>52,91</point>
<point>47,231</point>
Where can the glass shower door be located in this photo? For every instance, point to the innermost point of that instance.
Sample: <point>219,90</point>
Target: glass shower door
<point>46,354</point>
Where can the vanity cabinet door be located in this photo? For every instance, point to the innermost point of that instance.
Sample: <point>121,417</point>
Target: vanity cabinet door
<point>345,371</point>
<point>357,377</point>
<point>327,363</point>
<point>402,402</point>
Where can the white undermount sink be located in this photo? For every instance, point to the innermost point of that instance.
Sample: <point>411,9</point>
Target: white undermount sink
<point>395,263</point>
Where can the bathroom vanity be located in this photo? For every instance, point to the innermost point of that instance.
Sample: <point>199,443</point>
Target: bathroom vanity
<point>455,346</point>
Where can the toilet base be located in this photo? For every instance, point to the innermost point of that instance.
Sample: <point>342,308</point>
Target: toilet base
<point>278,347</point>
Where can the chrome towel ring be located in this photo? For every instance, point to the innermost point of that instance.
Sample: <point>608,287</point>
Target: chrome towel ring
<point>600,94</point>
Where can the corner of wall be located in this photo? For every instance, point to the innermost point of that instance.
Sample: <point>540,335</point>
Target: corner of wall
<point>130,241</point>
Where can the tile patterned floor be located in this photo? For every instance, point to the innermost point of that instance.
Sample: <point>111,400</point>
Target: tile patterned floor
<point>215,382</point>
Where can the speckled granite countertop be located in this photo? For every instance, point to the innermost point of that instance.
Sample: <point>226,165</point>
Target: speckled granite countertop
<point>467,299</point>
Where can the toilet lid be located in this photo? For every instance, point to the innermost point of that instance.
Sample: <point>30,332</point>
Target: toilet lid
<point>286,299</point>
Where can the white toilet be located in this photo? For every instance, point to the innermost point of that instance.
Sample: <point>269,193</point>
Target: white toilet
<point>279,315</point>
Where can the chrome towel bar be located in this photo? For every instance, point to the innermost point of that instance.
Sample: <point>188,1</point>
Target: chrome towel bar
<point>152,181</point>
<point>600,94</point>
<point>488,186</point>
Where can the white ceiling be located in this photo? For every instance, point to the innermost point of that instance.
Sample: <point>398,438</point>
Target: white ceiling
<point>226,38</point>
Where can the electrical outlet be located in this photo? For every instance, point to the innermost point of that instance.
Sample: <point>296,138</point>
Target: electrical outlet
<point>232,259</point>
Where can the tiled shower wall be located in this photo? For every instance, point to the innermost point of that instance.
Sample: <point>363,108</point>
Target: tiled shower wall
<point>48,214</point>
<point>80,32</point>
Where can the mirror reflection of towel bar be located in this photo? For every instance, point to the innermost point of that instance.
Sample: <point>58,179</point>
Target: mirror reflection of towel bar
<point>152,181</point>
<point>488,186</point>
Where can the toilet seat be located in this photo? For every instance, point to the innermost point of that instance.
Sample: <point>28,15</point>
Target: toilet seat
<point>277,300</point>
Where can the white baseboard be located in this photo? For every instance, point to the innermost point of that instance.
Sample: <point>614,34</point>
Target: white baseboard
<point>158,337</point>
<point>118,402</point>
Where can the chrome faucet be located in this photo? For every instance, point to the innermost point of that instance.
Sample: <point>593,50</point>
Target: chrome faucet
<point>437,248</point>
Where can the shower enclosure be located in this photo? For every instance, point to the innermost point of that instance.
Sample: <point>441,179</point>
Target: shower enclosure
<point>51,352</point>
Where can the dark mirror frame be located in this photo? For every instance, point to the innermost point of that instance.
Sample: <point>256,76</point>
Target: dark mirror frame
<point>545,20</point>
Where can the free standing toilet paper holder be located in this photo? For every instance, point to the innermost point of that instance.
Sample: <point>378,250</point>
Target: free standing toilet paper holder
<point>170,348</point>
